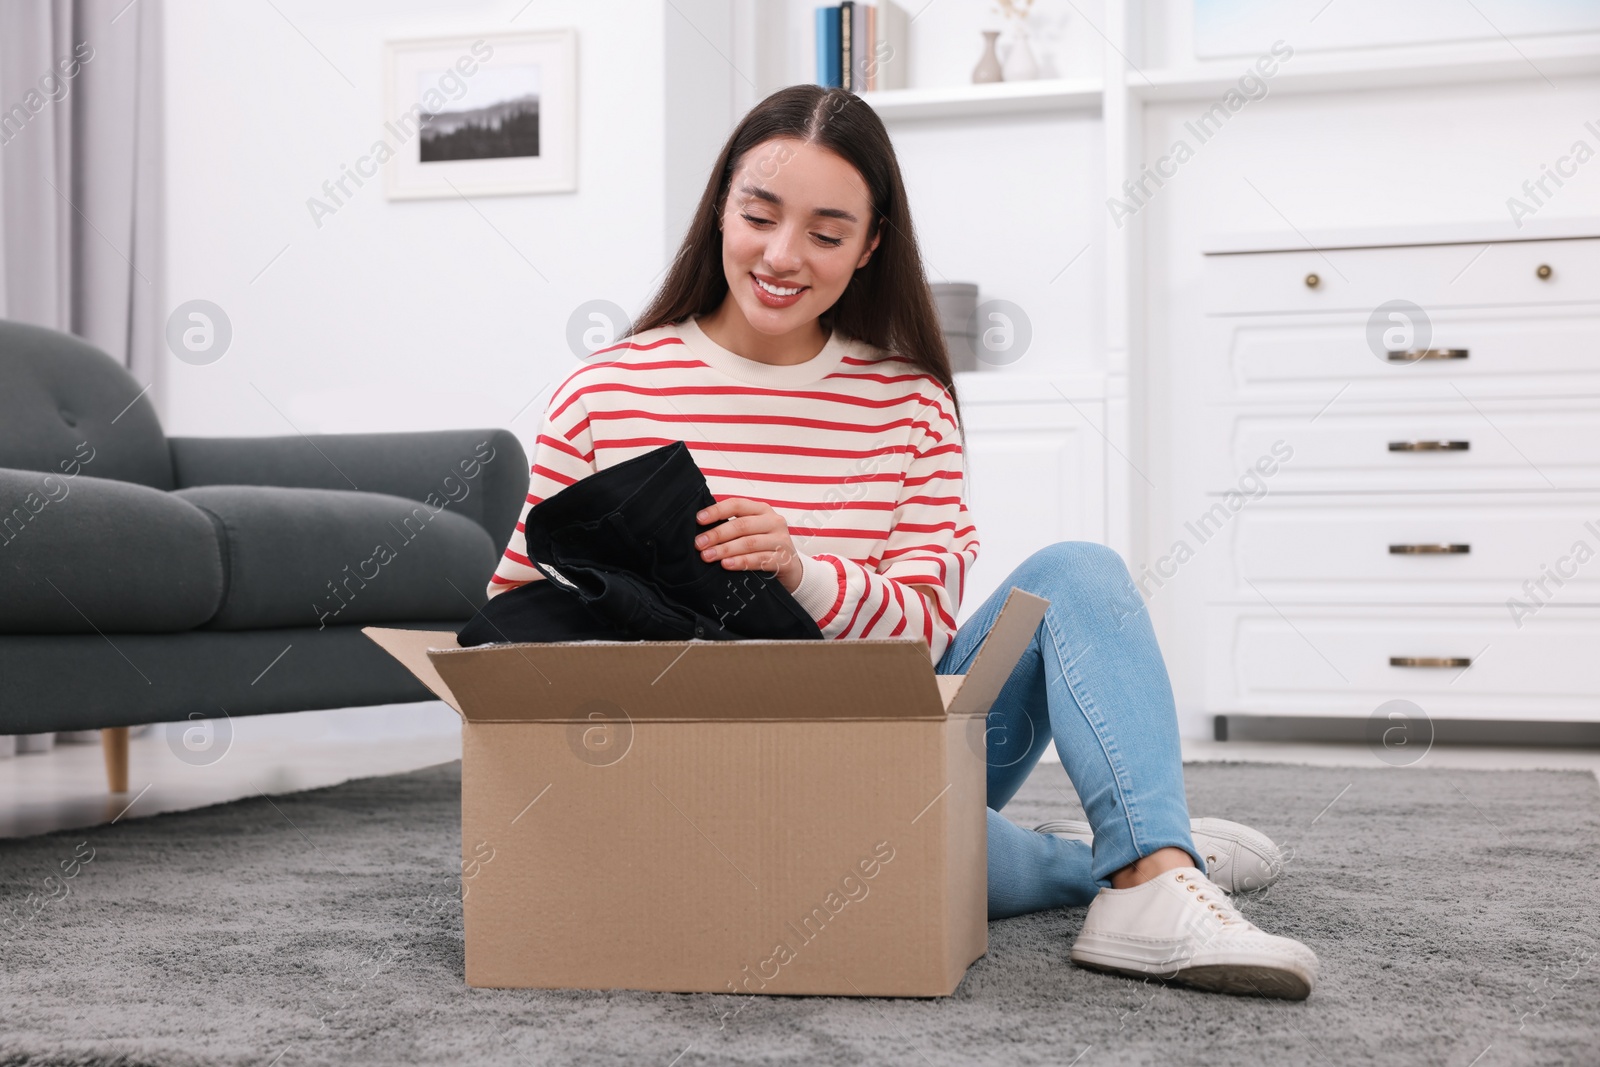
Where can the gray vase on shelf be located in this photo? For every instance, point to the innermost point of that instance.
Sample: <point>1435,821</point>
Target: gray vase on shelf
<point>988,68</point>
<point>957,303</point>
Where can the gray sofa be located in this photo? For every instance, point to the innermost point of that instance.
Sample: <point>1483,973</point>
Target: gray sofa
<point>148,579</point>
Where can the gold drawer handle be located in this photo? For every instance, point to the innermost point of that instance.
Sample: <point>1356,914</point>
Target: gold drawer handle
<point>1429,446</point>
<point>1429,550</point>
<point>1416,354</point>
<point>1430,661</point>
<point>1312,281</point>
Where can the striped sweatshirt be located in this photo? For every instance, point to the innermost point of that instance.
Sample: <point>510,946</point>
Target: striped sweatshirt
<point>857,449</point>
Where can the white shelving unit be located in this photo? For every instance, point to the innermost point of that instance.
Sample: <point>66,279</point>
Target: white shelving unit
<point>1118,101</point>
<point>1104,128</point>
<point>1399,68</point>
<point>998,98</point>
<point>1376,564</point>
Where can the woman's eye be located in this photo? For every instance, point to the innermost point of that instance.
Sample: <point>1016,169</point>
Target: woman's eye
<point>756,220</point>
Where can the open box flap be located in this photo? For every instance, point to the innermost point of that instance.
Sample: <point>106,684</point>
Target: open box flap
<point>1002,647</point>
<point>693,681</point>
<point>410,647</point>
<point>700,681</point>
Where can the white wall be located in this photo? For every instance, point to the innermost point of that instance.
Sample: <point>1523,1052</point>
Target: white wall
<point>701,94</point>
<point>392,315</point>
<point>1175,35</point>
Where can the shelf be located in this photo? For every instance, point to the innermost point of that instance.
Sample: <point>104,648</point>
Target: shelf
<point>1454,233</point>
<point>1464,64</point>
<point>1397,68</point>
<point>994,98</point>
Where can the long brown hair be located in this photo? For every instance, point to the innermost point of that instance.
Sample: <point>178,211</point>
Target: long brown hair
<point>886,303</point>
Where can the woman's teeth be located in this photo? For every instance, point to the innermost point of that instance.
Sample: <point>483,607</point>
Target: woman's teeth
<point>775,291</point>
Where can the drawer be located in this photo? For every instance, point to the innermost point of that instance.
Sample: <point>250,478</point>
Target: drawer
<point>1509,444</point>
<point>1508,352</point>
<point>1432,276</point>
<point>1468,548</point>
<point>1336,661</point>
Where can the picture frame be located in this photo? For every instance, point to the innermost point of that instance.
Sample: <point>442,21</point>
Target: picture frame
<point>491,114</point>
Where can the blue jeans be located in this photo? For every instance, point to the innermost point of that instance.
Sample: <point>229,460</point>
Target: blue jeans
<point>1092,680</point>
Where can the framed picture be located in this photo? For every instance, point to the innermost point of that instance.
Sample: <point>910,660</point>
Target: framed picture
<point>493,114</point>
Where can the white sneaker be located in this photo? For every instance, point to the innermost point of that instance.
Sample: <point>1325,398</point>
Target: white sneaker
<point>1238,857</point>
<point>1181,927</point>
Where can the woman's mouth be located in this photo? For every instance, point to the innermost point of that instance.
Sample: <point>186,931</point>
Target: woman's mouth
<point>776,296</point>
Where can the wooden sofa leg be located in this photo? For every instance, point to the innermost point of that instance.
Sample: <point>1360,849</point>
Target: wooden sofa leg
<point>114,741</point>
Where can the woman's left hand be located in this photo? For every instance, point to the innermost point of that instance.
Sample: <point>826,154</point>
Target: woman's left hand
<point>755,538</point>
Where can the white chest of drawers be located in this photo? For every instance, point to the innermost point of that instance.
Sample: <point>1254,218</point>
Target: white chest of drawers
<point>1430,526</point>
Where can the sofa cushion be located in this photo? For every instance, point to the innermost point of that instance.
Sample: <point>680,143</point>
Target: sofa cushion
<point>482,473</point>
<point>83,554</point>
<point>322,557</point>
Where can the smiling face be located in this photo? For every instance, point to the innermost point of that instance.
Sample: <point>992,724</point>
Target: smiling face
<point>794,229</point>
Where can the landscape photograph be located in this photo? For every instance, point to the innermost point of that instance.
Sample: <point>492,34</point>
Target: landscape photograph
<point>497,117</point>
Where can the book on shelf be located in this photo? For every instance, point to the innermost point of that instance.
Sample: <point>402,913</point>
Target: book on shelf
<point>862,46</point>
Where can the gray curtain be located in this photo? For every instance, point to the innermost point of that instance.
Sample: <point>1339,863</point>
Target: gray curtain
<point>80,156</point>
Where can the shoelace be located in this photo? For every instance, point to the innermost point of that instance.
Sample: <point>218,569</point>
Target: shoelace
<point>1215,899</point>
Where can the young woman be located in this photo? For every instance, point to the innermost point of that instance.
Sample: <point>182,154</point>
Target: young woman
<point>795,348</point>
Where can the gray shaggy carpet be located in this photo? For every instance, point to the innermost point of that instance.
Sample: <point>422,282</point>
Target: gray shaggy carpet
<point>1456,914</point>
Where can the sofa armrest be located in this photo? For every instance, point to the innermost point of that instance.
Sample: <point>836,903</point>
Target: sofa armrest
<point>482,474</point>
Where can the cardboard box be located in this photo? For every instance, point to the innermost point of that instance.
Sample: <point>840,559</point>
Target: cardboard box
<point>722,816</point>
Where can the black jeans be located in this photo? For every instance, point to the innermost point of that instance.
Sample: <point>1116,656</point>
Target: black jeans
<point>617,551</point>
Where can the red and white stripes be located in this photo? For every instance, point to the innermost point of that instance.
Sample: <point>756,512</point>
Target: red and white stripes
<point>857,449</point>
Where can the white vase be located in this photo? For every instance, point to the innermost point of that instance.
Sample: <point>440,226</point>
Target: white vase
<point>1020,66</point>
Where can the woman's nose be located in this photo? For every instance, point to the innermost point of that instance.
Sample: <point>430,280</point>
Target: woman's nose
<point>781,252</point>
